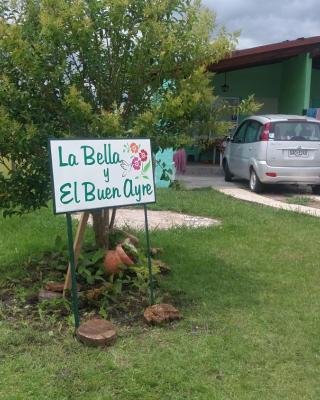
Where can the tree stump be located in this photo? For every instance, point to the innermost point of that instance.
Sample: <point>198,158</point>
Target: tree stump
<point>97,332</point>
<point>160,313</point>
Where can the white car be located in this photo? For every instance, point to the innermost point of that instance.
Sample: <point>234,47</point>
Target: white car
<point>271,149</point>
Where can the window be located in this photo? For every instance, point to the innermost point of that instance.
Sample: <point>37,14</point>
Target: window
<point>240,133</point>
<point>253,131</point>
<point>296,130</point>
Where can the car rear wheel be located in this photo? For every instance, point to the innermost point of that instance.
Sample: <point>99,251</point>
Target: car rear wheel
<point>227,173</point>
<point>315,189</point>
<point>254,183</point>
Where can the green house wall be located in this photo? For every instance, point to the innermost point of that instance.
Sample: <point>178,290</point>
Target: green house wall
<point>286,87</point>
<point>265,80</point>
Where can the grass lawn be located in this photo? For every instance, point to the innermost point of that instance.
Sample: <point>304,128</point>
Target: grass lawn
<point>249,293</point>
<point>300,200</point>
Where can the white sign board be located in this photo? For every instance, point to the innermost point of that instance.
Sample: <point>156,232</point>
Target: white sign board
<point>97,173</point>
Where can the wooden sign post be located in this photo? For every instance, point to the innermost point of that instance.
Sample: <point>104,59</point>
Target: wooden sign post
<point>76,248</point>
<point>90,174</point>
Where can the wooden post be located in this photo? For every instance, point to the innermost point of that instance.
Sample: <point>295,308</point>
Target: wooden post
<point>113,217</point>
<point>76,248</point>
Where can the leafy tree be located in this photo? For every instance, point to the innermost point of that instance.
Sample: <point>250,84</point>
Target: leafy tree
<point>99,68</point>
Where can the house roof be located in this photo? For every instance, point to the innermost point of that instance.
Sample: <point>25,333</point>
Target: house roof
<point>269,54</point>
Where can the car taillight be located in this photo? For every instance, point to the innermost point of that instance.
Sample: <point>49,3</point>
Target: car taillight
<point>264,136</point>
<point>272,174</point>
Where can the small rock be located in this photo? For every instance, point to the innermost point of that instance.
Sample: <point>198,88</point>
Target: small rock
<point>47,295</point>
<point>97,332</point>
<point>159,313</point>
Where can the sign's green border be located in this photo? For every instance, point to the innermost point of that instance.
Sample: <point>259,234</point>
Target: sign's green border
<point>52,139</point>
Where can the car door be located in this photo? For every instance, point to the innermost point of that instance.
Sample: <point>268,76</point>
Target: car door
<point>236,150</point>
<point>250,147</point>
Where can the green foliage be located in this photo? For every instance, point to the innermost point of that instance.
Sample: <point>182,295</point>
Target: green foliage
<point>98,68</point>
<point>177,185</point>
<point>248,291</point>
<point>90,267</point>
<point>55,307</point>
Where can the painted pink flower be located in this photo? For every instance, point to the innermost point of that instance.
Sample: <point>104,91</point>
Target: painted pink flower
<point>134,148</point>
<point>143,155</point>
<point>136,163</point>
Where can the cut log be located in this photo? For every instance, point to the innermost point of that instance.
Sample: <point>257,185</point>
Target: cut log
<point>160,313</point>
<point>97,332</point>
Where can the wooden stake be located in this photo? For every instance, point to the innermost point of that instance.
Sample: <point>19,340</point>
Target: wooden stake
<point>76,248</point>
<point>113,217</point>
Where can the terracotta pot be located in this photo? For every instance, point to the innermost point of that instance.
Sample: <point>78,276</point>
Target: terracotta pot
<point>123,256</point>
<point>111,262</point>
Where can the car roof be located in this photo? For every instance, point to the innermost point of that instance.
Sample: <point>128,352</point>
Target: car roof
<point>281,117</point>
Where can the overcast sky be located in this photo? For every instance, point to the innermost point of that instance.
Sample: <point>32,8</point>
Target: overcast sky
<point>267,21</point>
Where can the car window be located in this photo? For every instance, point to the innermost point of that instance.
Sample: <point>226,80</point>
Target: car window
<point>299,130</point>
<point>240,133</point>
<point>252,132</point>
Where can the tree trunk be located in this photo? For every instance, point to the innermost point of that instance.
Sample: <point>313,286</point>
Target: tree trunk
<point>101,227</point>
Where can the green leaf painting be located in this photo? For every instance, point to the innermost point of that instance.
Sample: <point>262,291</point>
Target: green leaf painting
<point>146,167</point>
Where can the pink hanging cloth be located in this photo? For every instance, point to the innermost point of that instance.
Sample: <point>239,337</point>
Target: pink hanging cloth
<point>180,161</point>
